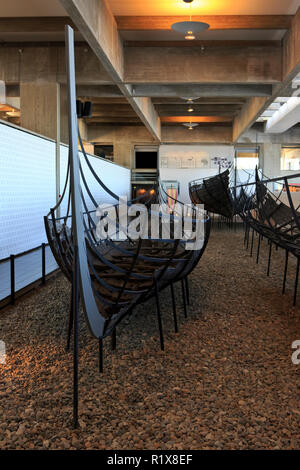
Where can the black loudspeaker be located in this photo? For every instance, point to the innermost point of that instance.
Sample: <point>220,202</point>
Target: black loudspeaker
<point>87,109</point>
<point>79,108</point>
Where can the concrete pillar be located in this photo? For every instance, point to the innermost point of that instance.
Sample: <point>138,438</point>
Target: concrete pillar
<point>83,129</point>
<point>271,159</point>
<point>89,148</point>
<point>39,109</point>
<point>123,152</point>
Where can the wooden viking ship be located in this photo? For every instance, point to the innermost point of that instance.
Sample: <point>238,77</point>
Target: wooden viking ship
<point>214,194</point>
<point>273,219</point>
<point>111,275</point>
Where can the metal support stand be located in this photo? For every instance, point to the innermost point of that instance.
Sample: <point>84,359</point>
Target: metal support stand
<point>100,355</point>
<point>12,279</point>
<point>183,298</point>
<point>245,236</point>
<point>285,271</point>
<point>258,249</point>
<point>187,290</point>
<point>247,241</point>
<point>43,263</point>
<point>70,326</point>
<point>114,340</point>
<point>174,308</point>
<point>296,281</point>
<point>269,261</point>
<point>161,336</point>
<point>252,242</point>
<point>76,335</point>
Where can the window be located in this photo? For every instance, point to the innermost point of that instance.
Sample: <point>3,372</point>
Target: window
<point>290,158</point>
<point>247,158</point>
<point>146,157</point>
<point>105,151</point>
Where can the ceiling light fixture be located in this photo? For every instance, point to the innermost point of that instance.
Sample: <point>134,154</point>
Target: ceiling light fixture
<point>190,100</point>
<point>191,109</point>
<point>190,125</point>
<point>189,28</point>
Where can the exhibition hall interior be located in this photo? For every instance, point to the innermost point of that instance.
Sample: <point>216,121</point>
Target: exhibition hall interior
<point>149,225</point>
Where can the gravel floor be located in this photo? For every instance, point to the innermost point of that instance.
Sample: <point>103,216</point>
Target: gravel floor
<point>226,381</point>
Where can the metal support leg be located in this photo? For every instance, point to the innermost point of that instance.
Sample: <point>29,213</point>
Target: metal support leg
<point>296,281</point>
<point>252,242</point>
<point>43,263</point>
<point>269,261</point>
<point>70,326</point>
<point>76,336</point>
<point>114,340</point>
<point>245,236</point>
<point>183,298</point>
<point>174,308</point>
<point>187,290</point>
<point>101,355</point>
<point>162,346</point>
<point>258,249</point>
<point>285,271</point>
<point>12,279</point>
<point>247,241</point>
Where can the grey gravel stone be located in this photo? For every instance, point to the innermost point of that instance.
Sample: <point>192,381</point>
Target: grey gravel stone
<point>226,381</point>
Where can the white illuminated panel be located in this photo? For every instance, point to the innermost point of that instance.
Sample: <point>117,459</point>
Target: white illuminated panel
<point>27,189</point>
<point>4,280</point>
<point>28,269</point>
<point>64,152</point>
<point>115,177</point>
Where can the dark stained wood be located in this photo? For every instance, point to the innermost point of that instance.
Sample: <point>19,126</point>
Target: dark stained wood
<point>199,110</point>
<point>202,119</point>
<point>196,43</point>
<point>148,23</point>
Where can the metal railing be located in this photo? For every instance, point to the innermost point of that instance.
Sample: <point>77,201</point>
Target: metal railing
<point>11,259</point>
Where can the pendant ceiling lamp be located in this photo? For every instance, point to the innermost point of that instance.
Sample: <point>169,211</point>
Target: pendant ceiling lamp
<point>189,28</point>
<point>190,103</point>
<point>190,125</point>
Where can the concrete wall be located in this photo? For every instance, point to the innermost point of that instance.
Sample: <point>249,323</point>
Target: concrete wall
<point>270,148</point>
<point>173,154</point>
<point>123,139</point>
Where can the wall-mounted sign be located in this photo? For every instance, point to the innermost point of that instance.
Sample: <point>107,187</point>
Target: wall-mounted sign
<point>221,162</point>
